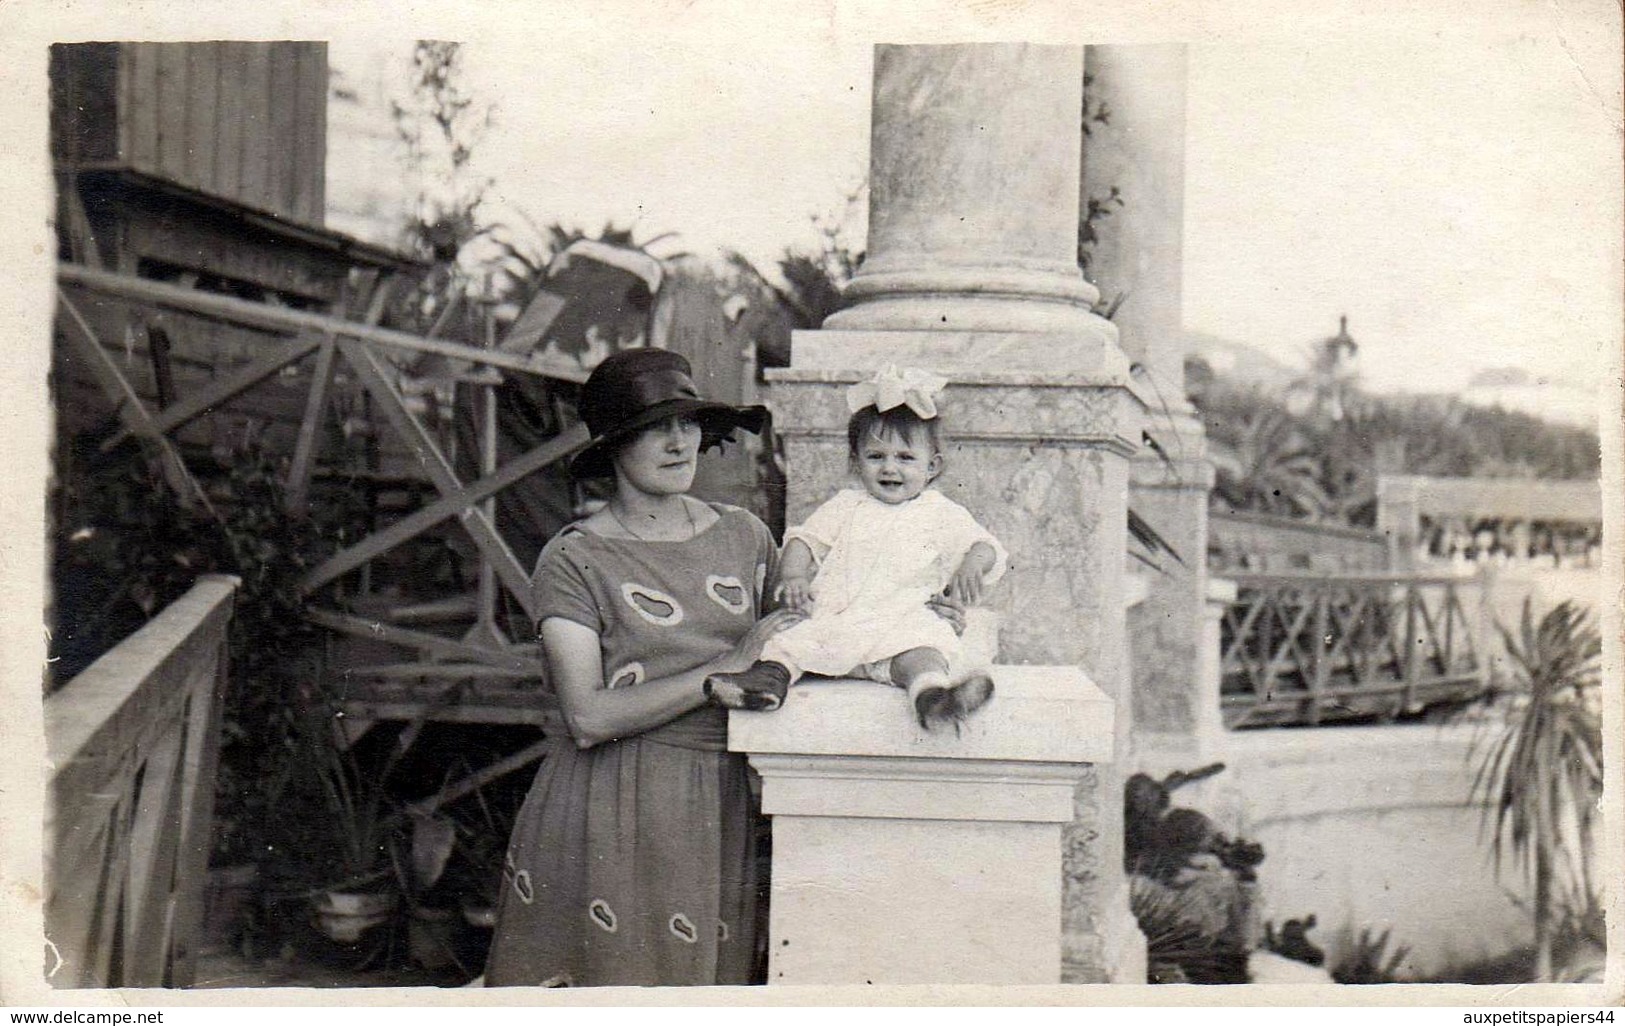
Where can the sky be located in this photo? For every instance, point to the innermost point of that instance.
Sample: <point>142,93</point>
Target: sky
<point>1451,184</point>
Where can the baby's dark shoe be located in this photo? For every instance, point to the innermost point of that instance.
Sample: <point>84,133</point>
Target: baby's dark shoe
<point>761,688</point>
<point>938,706</point>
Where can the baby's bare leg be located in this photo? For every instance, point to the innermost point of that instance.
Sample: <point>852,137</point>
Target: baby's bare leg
<point>924,673</point>
<point>919,668</point>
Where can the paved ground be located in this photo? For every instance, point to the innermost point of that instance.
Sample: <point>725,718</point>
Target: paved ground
<point>222,969</point>
<point>301,957</point>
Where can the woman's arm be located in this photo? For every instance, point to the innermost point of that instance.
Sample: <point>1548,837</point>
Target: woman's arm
<point>595,714</point>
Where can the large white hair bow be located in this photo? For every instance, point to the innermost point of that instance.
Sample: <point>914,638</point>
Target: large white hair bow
<point>911,387</point>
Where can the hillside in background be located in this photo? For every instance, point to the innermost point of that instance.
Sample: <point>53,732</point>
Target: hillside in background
<point>1238,362</point>
<point>1311,443</point>
<point>1513,389</point>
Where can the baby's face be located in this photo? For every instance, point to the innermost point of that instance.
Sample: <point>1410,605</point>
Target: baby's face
<point>895,468</point>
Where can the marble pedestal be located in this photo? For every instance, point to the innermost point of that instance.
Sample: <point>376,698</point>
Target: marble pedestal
<point>902,856</point>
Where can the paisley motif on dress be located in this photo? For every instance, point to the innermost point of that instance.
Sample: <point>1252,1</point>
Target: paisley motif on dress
<point>728,592</point>
<point>652,604</point>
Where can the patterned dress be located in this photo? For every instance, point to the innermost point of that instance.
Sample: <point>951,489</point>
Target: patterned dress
<point>631,862</point>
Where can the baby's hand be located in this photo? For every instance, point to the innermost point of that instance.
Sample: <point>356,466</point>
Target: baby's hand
<point>966,583</point>
<point>795,594</point>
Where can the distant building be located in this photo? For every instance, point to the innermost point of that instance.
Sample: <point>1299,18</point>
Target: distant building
<point>369,192</point>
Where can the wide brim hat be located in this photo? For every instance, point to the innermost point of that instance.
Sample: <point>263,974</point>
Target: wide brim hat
<point>635,388</point>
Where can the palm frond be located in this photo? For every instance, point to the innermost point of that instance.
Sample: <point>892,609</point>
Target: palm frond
<point>1540,777</point>
<point>1147,536</point>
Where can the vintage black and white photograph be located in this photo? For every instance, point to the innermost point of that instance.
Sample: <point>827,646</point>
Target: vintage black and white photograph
<point>707,494</point>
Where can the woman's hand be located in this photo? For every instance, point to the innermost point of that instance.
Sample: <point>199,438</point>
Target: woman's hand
<point>966,584</point>
<point>749,648</point>
<point>950,609</point>
<point>969,579</point>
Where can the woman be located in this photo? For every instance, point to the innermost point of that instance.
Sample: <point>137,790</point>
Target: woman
<point>631,860</point>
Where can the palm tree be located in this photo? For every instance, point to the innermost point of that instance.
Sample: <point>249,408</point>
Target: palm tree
<point>1264,461</point>
<point>1540,778</point>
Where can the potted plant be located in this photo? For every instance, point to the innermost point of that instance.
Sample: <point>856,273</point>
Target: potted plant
<point>355,819</point>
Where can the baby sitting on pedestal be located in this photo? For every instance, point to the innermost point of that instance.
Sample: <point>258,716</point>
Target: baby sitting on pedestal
<point>865,565</point>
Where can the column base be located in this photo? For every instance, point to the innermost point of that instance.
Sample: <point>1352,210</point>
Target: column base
<point>1081,352</point>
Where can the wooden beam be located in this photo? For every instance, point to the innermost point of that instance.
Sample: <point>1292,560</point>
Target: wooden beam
<point>456,606</point>
<point>259,315</point>
<point>304,449</point>
<point>82,241</point>
<point>433,644</point>
<point>488,465</point>
<point>470,711</point>
<point>206,399</point>
<point>131,410</point>
<point>163,368</point>
<point>370,371</point>
<point>378,299</point>
<point>474,781</point>
<point>439,671</point>
<point>449,505</point>
<point>154,841</point>
<point>204,717</point>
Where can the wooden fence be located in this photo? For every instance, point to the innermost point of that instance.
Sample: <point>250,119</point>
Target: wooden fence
<point>480,674</point>
<point>1307,648</point>
<point>133,743</point>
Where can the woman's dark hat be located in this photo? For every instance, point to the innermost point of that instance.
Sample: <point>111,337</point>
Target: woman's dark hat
<point>635,388</point>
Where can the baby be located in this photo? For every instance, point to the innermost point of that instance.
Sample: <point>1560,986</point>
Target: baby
<point>880,553</point>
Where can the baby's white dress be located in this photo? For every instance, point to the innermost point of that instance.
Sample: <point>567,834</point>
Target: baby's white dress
<point>878,563</point>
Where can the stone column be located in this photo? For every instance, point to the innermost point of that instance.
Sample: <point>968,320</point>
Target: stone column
<point>971,273</point>
<point>1140,149</point>
<point>1137,264</point>
<point>973,171</point>
<point>1399,518</point>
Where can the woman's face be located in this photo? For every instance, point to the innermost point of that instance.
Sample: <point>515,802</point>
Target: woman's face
<point>660,459</point>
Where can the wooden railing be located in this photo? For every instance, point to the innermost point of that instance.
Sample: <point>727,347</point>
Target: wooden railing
<point>359,349</point>
<point>1306,648</point>
<point>480,674</point>
<point>133,743</point>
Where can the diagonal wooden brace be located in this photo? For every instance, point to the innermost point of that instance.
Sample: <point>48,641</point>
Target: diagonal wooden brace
<point>304,450</point>
<point>415,523</point>
<point>473,782</point>
<point>203,401</point>
<point>374,378</point>
<point>432,644</point>
<point>131,410</point>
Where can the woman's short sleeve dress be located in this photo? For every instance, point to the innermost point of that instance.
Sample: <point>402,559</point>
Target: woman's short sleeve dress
<point>631,863</point>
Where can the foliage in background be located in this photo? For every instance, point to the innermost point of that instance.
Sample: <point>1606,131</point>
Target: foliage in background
<point>1192,888</point>
<point>440,123</point>
<point>1370,961</point>
<point>1541,777</point>
<point>124,549</point>
<point>1181,946</point>
<point>1270,459</point>
<point>813,280</point>
<point>1292,941</point>
<point>1096,209</point>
